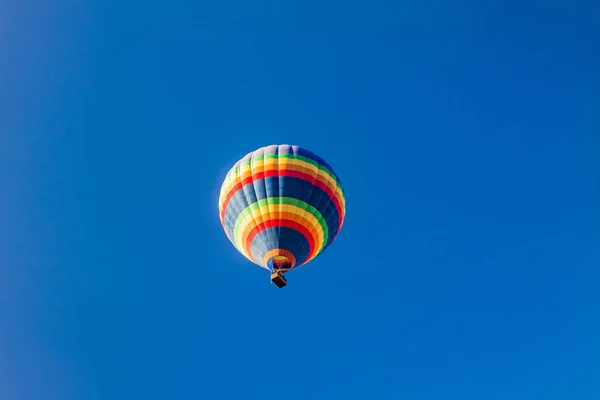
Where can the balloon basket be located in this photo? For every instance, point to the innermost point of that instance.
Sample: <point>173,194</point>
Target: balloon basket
<point>278,279</point>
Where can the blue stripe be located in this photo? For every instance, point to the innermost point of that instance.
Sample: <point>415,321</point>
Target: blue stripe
<point>289,239</point>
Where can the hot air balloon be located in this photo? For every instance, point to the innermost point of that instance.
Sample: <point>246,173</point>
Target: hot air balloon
<point>281,206</point>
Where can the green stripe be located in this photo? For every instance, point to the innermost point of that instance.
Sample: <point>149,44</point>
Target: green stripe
<point>293,156</point>
<point>283,200</point>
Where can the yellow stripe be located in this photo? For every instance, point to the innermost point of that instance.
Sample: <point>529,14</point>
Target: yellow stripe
<point>286,254</point>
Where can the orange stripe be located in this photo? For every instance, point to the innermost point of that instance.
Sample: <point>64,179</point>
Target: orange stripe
<point>280,252</point>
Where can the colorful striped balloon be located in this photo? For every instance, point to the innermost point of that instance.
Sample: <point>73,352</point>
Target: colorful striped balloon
<point>281,206</point>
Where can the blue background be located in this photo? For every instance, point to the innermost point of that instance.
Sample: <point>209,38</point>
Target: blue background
<point>466,135</point>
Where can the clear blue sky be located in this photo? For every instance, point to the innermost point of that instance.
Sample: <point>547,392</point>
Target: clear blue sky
<point>467,135</point>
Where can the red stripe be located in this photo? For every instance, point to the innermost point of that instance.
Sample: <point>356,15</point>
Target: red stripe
<point>284,172</point>
<point>285,223</point>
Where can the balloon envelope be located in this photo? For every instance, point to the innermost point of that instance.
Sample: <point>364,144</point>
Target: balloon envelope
<point>281,206</point>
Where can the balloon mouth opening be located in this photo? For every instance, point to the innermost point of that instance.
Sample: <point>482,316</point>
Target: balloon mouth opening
<point>280,263</point>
